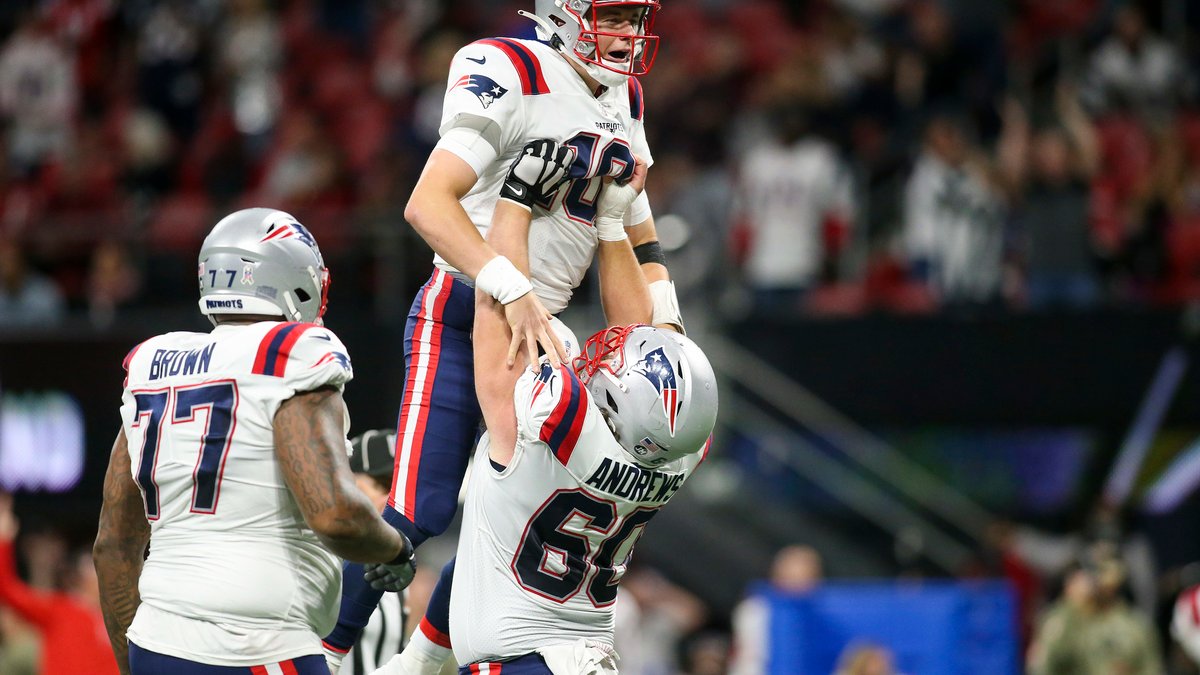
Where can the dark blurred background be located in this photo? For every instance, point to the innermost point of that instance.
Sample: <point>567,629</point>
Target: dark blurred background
<point>944,256</point>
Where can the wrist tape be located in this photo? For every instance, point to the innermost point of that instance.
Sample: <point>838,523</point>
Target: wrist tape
<point>502,280</point>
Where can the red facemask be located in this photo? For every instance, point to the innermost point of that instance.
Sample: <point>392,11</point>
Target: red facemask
<point>643,41</point>
<point>604,350</point>
<point>326,279</point>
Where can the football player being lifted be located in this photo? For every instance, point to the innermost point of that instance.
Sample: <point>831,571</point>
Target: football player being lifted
<point>576,87</point>
<point>576,460</point>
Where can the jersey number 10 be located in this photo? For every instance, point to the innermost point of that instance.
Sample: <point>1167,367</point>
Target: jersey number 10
<point>581,193</point>
<point>220,398</point>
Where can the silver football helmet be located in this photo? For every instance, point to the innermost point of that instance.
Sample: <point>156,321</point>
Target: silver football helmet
<point>570,26</point>
<point>656,389</point>
<point>262,261</point>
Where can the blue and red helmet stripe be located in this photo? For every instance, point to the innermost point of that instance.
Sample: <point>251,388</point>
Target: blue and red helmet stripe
<point>529,69</point>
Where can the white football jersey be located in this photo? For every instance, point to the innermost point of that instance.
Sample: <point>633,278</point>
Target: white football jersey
<point>547,539</point>
<point>511,92</point>
<point>787,193</point>
<point>235,577</point>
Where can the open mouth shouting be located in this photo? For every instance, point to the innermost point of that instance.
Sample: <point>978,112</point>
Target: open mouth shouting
<point>620,55</point>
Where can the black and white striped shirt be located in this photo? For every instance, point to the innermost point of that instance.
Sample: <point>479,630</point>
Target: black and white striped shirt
<point>382,639</point>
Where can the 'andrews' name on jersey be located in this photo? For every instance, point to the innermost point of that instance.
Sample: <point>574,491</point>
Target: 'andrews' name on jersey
<point>554,530</point>
<point>633,483</point>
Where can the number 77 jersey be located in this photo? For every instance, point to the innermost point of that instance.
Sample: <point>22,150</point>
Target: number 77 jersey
<point>547,539</point>
<point>234,573</point>
<point>503,93</point>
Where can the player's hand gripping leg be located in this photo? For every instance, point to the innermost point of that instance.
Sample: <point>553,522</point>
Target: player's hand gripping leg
<point>536,174</point>
<point>530,325</point>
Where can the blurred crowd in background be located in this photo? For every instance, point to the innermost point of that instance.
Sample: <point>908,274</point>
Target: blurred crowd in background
<point>820,157</point>
<point>828,156</point>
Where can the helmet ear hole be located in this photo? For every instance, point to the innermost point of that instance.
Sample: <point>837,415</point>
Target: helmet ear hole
<point>611,403</point>
<point>302,295</point>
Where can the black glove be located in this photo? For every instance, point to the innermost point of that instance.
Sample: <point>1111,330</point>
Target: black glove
<point>537,172</point>
<point>394,575</point>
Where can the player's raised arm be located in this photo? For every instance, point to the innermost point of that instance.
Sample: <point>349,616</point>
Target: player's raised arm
<point>120,549</point>
<point>499,333</point>
<point>644,239</point>
<point>623,288</point>
<point>310,444</point>
<point>535,175</point>
<point>435,212</point>
<point>493,384</point>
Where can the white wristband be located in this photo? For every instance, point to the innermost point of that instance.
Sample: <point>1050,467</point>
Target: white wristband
<point>610,211</point>
<point>611,229</point>
<point>666,304</point>
<point>502,280</point>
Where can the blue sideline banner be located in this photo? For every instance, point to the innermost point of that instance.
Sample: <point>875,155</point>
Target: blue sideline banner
<point>932,627</point>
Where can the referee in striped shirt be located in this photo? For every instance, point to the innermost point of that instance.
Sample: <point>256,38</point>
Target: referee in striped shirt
<point>372,459</point>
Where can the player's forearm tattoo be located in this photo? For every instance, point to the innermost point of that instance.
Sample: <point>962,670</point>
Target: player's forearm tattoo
<point>120,550</point>
<point>309,442</point>
<point>302,429</point>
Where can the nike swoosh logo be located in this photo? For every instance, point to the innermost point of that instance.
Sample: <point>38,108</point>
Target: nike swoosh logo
<point>517,190</point>
<point>481,60</point>
<point>320,336</point>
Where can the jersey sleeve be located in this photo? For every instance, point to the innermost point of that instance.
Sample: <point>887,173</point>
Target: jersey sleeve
<point>637,133</point>
<point>639,211</point>
<point>136,367</point>
<point>304,356</point>
<point>552,408</point>
<point>483,112</point>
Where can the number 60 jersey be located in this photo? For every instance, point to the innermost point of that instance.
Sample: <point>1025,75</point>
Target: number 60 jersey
<point>547,539</point>
<point>503,93</point>
<point>235,577</point>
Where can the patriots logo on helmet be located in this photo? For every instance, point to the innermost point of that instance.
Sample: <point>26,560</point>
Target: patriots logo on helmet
<point>288,229</point>
<point>484,88</point>
<point>656,368</point>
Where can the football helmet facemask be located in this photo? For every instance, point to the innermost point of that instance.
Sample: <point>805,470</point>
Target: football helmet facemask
<point>262,261</point>
<point>572,27</point>
<point>655,388</point>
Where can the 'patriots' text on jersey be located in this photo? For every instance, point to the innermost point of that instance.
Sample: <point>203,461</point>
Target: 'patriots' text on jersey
<point>510,92</point>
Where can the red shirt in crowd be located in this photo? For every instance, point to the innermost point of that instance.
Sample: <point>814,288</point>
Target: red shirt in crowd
<point>74,640</point>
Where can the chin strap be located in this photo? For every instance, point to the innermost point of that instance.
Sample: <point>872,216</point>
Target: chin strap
<point>292,309</point>
<point>543,27</point>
